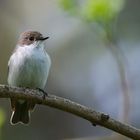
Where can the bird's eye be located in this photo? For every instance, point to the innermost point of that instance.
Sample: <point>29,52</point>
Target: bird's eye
<point>31,38</point>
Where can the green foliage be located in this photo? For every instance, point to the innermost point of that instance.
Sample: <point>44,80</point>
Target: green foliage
<point>68,5</point>
<point>94,10</point>
<point>102,10</point>
<point>2,117</point>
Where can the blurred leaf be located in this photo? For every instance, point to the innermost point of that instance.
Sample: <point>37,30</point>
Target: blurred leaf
<point>93,10</point>
<point>2,117</point>
<point>102,10</point>
<point>68,5</point>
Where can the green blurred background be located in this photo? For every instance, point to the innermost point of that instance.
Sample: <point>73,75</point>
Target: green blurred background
<point>95,50</point>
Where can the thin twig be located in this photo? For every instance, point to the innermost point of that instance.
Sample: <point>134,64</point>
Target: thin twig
<point>112,44</point>
<point>69,106</point>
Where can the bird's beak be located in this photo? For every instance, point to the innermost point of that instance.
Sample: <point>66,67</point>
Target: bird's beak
<point>43,38</point>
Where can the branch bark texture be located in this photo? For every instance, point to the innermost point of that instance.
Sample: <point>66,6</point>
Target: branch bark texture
<point>84,112</point>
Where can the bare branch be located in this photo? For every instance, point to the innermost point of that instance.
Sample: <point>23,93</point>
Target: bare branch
<point>69,106</point>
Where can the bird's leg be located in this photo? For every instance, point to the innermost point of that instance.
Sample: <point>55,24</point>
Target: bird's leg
<point>44,93</point>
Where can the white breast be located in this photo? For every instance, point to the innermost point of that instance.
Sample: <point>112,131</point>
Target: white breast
<point>29,67</point>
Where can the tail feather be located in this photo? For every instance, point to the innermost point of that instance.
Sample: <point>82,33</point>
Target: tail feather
<point>25,115</point>
<point>20,112</point>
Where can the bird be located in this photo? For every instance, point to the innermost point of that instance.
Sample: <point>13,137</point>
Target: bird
<point>28,67</point>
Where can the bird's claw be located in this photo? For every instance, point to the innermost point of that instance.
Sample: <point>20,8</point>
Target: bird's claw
<point>44,93</point>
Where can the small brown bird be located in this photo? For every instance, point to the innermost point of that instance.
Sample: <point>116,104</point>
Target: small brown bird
<point>28,67</point>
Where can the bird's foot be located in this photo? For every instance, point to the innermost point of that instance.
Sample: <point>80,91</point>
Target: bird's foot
<point>44,93</point>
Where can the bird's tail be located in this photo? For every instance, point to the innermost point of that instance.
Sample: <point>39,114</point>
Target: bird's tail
<point>21,112</point>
